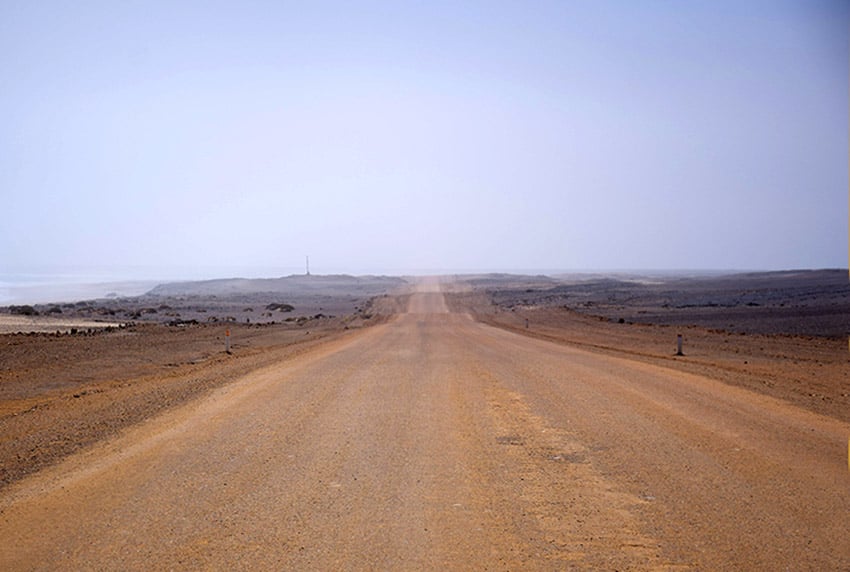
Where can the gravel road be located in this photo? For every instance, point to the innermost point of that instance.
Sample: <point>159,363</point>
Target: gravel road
<point>435,442</point>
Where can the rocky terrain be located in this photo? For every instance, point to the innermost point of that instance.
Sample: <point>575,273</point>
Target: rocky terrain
<point>233,300</point>
<point>806,302</point>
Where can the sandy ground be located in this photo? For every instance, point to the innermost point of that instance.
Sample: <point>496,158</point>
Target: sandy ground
<point>433,441</point>
<point>61,393</point>
<point>811,371</point>
<point>78,372</point>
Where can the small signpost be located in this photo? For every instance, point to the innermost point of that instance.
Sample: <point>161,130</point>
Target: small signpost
<point>227,340</point>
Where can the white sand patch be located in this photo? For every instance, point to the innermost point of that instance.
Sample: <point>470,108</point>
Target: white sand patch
<point>25,324</point>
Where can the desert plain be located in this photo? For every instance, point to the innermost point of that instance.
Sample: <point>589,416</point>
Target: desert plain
<point>462,422</point>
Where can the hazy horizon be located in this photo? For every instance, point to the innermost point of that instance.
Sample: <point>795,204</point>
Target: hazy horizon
<point>400,138</point>
<point>43,286</point>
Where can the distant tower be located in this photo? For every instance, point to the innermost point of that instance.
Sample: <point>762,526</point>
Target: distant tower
<point>308,265</point>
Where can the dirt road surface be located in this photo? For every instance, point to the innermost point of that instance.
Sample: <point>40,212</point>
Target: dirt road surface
<point>435,442</point>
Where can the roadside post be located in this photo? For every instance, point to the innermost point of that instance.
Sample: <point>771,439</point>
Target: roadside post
<point>679,345</point>
<point>227,340</point>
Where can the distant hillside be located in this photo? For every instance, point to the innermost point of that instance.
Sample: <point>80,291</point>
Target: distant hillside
<point>339,284</point>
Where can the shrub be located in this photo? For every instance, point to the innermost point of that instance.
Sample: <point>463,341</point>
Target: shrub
<point>23,310</point>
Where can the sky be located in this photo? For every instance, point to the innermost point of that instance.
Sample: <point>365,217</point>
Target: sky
<point>393,137</point>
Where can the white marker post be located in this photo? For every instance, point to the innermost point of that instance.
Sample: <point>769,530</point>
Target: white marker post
<point>227,340</point>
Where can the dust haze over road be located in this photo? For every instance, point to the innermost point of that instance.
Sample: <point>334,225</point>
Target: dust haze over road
<point>434,441</point>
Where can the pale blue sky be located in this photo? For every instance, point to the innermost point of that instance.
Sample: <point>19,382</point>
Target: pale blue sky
<point>400,136</point>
